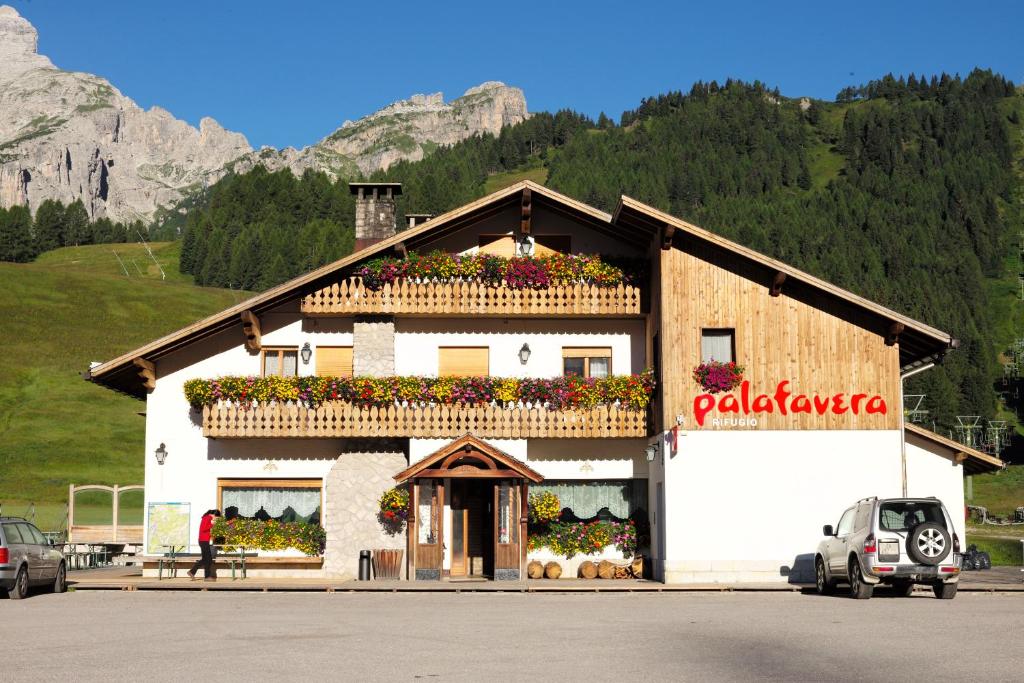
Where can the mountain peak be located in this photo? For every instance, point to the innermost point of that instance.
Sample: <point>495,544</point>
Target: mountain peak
<point>19,43</point>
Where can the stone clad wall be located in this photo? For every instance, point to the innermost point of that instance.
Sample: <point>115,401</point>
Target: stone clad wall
<point>353,487</point>
<point>373,347</point>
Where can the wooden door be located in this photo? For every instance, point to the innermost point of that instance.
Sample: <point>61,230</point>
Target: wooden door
<point>507,560</point>
<point>460,530</point>
<point>429,529</point>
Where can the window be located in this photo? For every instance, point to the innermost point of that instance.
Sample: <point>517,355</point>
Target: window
<point>334,361</point>
<point>863,516</point>
<point>426,513</point>
<point>463,361</point>
<point>282,361</point>
<point>587,362</point>
<point>30,531</point>
<point>586,499</point>
<point>718,345</point>
<point>12,534</point>
<point>283,500</point>
<point>904,516</point>
<point>845,524</point>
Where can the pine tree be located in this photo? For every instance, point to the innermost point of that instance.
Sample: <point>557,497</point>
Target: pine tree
<point>16,235</point>
<point>49,226</point>
<point>76,224</point>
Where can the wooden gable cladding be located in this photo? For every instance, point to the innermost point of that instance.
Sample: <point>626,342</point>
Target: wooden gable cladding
<point>818,346</point>
<point>452,460</point>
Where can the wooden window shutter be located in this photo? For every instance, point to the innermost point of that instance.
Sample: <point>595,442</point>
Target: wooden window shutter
<point>334,361</point>
<point>463,361</point>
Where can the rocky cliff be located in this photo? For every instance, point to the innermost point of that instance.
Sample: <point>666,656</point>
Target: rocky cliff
<point>67,135</point>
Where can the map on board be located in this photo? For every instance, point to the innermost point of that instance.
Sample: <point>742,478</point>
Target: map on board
<point>168,524</point>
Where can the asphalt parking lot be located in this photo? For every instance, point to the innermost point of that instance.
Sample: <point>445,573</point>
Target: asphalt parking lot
<point>116,635</point>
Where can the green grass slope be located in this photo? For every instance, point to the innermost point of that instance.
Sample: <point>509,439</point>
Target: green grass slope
<point>68,308</point>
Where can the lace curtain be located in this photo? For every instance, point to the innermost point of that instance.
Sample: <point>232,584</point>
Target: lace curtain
<point>716,345</point>
<point>622,497</point>
<point>284,504</point>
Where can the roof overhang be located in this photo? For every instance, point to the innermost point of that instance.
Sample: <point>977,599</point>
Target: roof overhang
<point>918,343</point>
<point>973,460</point>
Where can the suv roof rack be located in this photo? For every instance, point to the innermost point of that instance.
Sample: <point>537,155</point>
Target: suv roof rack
<point>9,518</point>
<point>864,500</point>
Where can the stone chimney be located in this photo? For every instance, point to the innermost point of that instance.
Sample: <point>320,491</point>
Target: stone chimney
<point>375,211</point>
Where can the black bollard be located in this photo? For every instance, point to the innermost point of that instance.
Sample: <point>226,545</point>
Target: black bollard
<point>364,565</point>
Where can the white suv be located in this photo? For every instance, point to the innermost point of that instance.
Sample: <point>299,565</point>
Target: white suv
<point>895,541</point>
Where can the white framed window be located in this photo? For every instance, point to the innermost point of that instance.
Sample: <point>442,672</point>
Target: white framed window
<point>718,344</point>
<point>283,500</point>
<point>283,361</point>
<point>587,362</point>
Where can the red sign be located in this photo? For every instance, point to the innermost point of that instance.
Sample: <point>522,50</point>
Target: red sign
<point>784,402</point>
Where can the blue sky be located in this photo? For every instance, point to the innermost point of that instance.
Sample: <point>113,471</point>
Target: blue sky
<point>288,73</point>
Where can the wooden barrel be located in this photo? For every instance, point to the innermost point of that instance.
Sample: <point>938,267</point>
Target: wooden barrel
<point>588,570</point>
<point>387,563</point>
<point>605,569</point>
<point>535,570</point>
<point>552,570</point>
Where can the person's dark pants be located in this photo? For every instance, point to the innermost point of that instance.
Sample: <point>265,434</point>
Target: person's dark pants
<point>205,561</point>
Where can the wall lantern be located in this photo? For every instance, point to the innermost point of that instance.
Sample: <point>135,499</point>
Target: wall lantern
<point>306,353</point>
<point>524,354</point>
<point>651,452</point>
<point>161,454</point>
<point>525,246</point>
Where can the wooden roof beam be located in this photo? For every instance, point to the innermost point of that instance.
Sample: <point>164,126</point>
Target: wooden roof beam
<point>525,224</point>
<point>892,336</point>
<point>777,281</point>
<point>147,372</point>
<point>251,330</point>
<point>666,236</point>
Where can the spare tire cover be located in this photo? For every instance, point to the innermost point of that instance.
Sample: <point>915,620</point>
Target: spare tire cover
<point>928,543</point>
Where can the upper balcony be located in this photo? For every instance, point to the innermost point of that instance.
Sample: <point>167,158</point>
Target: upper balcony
<point>491,407</point>
<point>582,300</point>
<point>336,419</point>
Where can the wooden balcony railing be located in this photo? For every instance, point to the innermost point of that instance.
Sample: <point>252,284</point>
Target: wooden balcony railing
<point>473,298</point>
<point>338,419</point>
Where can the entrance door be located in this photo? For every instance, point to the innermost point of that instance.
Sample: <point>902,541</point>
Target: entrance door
<point>472,549</point>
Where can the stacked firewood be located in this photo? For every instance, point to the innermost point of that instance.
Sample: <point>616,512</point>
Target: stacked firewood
<point>590,570</point>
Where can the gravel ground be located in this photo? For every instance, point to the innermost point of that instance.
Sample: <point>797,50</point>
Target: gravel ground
<point>538,637</point>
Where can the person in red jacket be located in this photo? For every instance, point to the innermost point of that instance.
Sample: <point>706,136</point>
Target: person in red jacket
<point>206,552</point>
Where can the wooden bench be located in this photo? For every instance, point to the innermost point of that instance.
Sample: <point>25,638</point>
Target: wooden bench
<point>239,563</point>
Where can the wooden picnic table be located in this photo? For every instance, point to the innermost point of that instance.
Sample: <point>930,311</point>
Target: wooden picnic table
<point>172,557</point>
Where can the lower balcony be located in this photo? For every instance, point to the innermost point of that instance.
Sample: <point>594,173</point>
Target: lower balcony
<point>333,419</point>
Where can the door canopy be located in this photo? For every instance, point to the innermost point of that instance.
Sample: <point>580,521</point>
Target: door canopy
<point>468,458</point>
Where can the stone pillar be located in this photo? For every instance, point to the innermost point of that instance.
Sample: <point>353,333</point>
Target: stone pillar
<point>353,486</point>
<point>373,346</point>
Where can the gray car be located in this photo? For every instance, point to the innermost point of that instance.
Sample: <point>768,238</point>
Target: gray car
<point>28,559</point>
<point>894,541</point>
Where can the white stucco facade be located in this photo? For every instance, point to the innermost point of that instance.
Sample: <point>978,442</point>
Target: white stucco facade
<point>749,506</point>
<point>195,464</point>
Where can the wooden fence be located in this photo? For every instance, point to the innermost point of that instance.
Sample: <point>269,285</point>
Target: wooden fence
<point>473,298</point>
<point>338,419</point>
